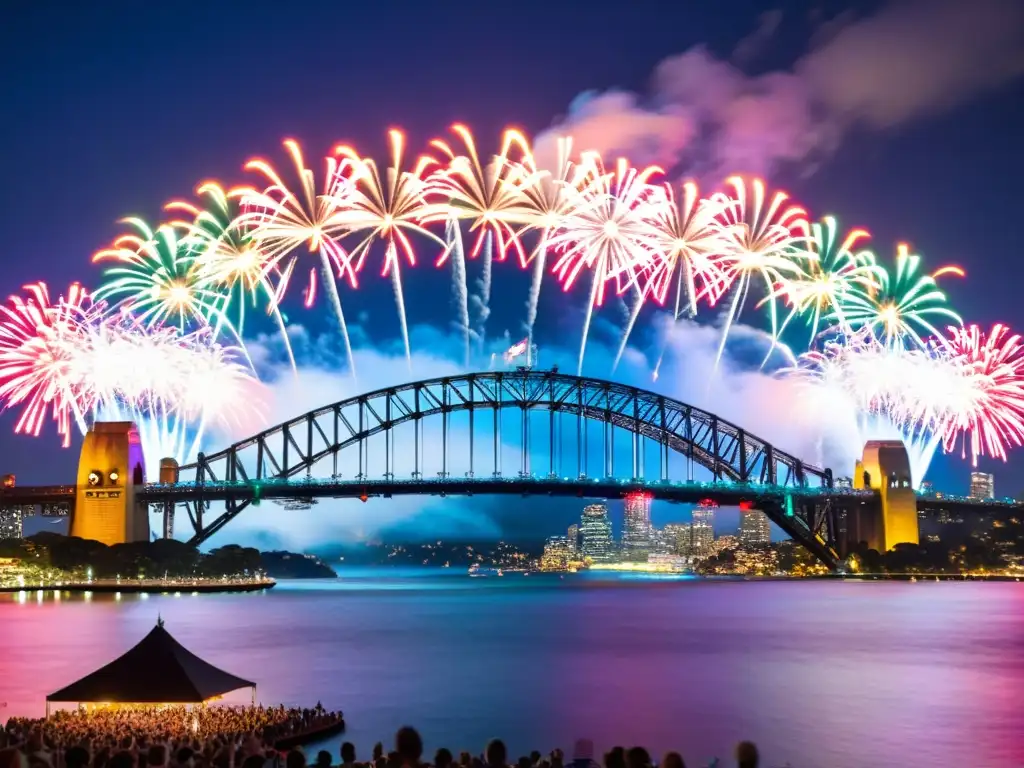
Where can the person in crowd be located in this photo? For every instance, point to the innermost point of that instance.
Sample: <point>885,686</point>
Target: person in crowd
<point>442,758</point>
<point>495,754</point>
<point>638,757</point>
<point>348,755</point>
<point>409,747</point>
<point>296,758</point>
<point>323,759</point>
<point>746,755</point>
<point>672,760</point>
<point>615,758</point>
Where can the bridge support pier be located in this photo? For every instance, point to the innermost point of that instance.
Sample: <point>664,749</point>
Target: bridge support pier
<point>885,467</point>
<point>109,468</point>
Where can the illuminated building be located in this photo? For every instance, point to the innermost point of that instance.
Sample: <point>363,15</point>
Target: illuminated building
<point>982,486</point>
<point>636,527</point>
<point>596,533</point>
<point>677,537</point>
<point>574,538</point>
<point>109,468</point>
<point>844,482</point>
<point>557,554</point>
<point>755,530</point>
<point>702,531</point>
<point>10,522</point>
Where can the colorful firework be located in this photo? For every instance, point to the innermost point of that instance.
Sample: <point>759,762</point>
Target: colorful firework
<point>758,240</point>
<point>606,232</point>
<point>281,222</point>
<point>688,239</point>
<point>387,211</point>
<point>227,257</point>
<point>157,277</point>
<point>905,305</point>
<point>546,197</point>
<point>839,273</point>
<point>38,341</point>
<point>989,416</point>
<point>481,194</point>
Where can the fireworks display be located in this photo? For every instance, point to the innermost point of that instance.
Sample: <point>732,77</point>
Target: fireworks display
<point>174,300</point>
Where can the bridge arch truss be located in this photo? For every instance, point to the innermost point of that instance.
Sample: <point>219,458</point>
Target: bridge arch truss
<point>338,437</point>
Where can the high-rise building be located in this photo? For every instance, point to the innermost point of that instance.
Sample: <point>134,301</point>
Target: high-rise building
<point>982,486</point>
<point>702,531</point>
<point>11,522</point>
<point>755,530</point>
<point>557,554</point>
<point>636,527</point>
<point>596,533</point>
<point>574,538</point>
<point>677,537</point>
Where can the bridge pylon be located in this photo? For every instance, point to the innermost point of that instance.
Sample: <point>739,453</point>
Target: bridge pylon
<point>885,467</point>
<point>109,468</point>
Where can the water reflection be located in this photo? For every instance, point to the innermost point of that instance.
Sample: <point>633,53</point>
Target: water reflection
<point>837,674</point>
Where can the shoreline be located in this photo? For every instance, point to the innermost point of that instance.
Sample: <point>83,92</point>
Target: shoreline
<point>135,587</point>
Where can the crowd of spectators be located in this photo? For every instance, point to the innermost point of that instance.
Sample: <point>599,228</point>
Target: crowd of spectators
<point>251,737</point>
<point>151,737</point>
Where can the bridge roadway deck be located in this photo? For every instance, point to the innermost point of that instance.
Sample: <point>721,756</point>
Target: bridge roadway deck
<point>723,493</point>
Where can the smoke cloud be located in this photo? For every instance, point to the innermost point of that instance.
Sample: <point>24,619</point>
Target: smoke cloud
<point>705,115</point>
<point>775,409</point>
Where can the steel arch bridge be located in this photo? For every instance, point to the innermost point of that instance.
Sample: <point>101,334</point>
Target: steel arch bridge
<point>560,415</point>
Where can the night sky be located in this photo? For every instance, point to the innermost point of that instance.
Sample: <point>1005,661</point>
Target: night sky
<point>904,118</point>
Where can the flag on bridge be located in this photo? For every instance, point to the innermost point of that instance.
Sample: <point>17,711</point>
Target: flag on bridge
<point>517,350</point>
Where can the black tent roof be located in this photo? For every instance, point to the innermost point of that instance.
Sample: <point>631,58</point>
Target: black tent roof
<point>158,669</point>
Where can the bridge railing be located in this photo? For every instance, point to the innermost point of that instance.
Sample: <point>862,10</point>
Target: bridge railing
<point>754,489</point>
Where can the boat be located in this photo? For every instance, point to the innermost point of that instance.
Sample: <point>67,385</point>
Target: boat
<point>913,578</point>
<point>477,570</point>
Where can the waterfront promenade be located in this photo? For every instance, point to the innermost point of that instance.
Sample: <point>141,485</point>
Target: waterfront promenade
<point>145,586</point>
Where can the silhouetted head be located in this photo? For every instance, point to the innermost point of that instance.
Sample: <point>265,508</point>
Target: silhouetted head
<point>672,760</point>
<point>746,755</point>
<point>296,759</point>
<point>408,745</point>
<point>495,753</point>
<point>638,757</point>
<point>348,752</point>
<point>323,759</point>
<point>442,758</point>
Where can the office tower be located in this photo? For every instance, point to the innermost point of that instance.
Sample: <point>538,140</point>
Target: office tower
<point>702,531</point>
<point>636,527</point>
<point>556,555</point>
<point>10,522</point>
<point>982,486</point>
<point>677,536</point>
<point>596,533</point>
<point>755,530</point>
<point>574,539</point>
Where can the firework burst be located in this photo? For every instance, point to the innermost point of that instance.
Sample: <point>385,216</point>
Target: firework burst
<point>228,259</point>
<point>387,211</point>
<point>760,239</point>
<point>606,232</point>
<point>906,304</point>
<point>156,275</point>
<point>282,221</point>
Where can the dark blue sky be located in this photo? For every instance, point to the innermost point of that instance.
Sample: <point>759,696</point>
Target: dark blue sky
<point>114,108</point>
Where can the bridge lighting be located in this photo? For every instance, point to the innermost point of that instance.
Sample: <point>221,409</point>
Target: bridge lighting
<point>789,505</point>
<point>746,506</point>
<point>95,478</point>
<point>363,497</point>
<point>113,476</point>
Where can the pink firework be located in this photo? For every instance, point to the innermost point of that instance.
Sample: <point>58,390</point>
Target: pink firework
<point>38,341</point>
<point>990,414</point>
